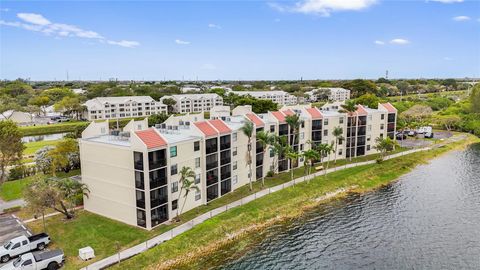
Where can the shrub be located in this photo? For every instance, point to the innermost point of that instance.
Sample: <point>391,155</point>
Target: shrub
<point>21,171</point>
<point>270,174</point>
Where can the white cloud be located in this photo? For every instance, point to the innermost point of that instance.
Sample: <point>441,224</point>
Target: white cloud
<point>208,67</point>
<point>379,42</point>
<point>182,42</point>
<point>447,1</point>
<point>33,18</point>
<point>399,41</point>
<point>38,23</point>
<point>461,18</point>
<point>324,7</point>
<point>4,9</point>
<point>124,43</point>
<point>212,25</point>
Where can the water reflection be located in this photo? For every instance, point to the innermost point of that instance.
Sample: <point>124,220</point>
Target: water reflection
<point>430,219</point>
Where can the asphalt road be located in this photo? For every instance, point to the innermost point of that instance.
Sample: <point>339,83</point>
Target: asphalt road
<point>10,227</point>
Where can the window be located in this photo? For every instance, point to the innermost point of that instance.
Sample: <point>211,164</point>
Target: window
<point>174,205</point>
<point>173,169</point>
<point>325,132</point>
<point>138,160</point>
<point>325,122</point>
<point>341,120</point>
<point>174,186</point>
<point>302,135</point>
<point>272,152</point>
<point>382,116</point>
<point>173,151</point>
<point>369,127</point>
<point>27,262</point>
<point>301,147</point>
<point>234,151</point>
<point>197,162</point>
<point>272,128</point>
<point>196,146</point>
<point>340,152</point>
<point>139,180</point>
<point>234,137</point>
<point>368,147</point>
<point>197,195</point>
<point>197,178</point>
<point>234,179</point>
<point>234,165</point>
<point>17,245</point>
<point>369,137</point>
<point>382,126</point>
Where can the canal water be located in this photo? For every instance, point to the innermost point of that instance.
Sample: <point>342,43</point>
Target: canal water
<point>429,219</point>
<point>48,137</point>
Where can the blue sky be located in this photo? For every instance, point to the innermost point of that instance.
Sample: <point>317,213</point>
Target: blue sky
<point>239,40</point>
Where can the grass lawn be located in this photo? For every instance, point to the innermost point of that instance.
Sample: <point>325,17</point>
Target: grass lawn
<point>289,202</point>
<point>32,147</point>
<point>12,190</point>
<point>53,128</point>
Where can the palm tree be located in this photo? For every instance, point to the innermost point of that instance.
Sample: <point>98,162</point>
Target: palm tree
<point>292,156</point>
<point>279,145</point>
<point>310,156</point>
<point>247,129</point>
<point>351,108</point>
<point>385,145</point>
<point>327,151</point>
<point>293,122</point>
<point>265,139</point>
<point>186,173</point>
<point>338,133</point>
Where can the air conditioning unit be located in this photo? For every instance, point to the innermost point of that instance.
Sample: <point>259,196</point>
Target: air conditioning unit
<point>86,253</point>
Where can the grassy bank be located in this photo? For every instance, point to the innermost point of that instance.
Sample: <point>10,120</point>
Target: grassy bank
<point>186,250</point>
<point>33,147</point>
<point>53,128</point>
<point>13,190</point>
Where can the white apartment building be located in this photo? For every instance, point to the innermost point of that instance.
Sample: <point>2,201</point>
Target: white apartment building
<point>133,175</point>
<point>192,103</point>
<point>279,97</point>
<point>122,107</point>
<point>334,94</point>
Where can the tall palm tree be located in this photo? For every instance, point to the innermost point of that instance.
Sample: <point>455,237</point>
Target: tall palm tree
<point>338,133</point>
<point>279,145</point>
<point>350,107</point>
<point>293,122</point>
<point>292,156</point>
<point>186,173</point>
<point>265,139</point>
<point>247,129</point>
<point>309,158</point>
<point>327,151</point>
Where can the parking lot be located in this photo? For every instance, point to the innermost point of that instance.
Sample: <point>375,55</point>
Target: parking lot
<point>10,227</point>
<point>420,141</point>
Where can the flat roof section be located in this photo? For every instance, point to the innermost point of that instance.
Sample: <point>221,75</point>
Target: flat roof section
<point>206,129</point>
<point>151,138</point>
<point>220,126</point>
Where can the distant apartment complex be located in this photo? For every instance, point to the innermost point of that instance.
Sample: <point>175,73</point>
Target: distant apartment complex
<point>279,97</point>
<point>133,175</point>
<point>122,107</point>
<point>331,93</point>
<point>192,103</point>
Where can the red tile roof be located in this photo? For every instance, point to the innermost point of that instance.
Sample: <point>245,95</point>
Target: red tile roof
<point>220,126</point>
<point>151,138</point>
<point>280,117</point>
<point>288,112</point>
<point>361,110</point>
<point>206,129</point>
<point>255,119</point>
<point>389,107</point>
<point>315,113</point>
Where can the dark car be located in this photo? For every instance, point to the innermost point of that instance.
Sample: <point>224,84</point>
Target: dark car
<point>401,135</point>
<point>428,135</point>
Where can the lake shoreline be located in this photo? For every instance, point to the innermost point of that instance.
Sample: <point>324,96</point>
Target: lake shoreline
<point>239,238</point>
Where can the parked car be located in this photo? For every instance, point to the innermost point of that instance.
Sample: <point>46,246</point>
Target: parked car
<point>51,260</point>
<point>428,135</point>
<point>426,129</point>
<point>63,119</point>
<point>401,135</point>
<point>22,244</point>
<point>412,133</point>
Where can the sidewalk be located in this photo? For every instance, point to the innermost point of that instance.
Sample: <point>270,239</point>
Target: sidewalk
<point>14,203</point>
<point>135,250</point>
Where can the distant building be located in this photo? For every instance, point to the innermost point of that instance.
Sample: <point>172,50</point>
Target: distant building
<point>21,118</point>
<point>279,97</point>
<point>190,88</point>
<point>123,107</point>
<point>330,93</point>
<point>191,103</point>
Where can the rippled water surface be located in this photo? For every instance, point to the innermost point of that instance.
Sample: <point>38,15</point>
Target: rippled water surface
<point>430,219</point>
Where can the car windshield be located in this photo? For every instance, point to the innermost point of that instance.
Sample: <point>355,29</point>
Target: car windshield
<point>17,262</point>
<point>8,245</point>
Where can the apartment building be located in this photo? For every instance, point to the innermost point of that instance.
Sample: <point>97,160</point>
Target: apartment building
<point>134,175</point>
<point>122,107</point>
<point>192,103</point>
<point>333,94</point>
<point>279,97</point>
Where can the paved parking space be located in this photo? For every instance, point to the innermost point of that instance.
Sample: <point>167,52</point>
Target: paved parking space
<point>10,227</point>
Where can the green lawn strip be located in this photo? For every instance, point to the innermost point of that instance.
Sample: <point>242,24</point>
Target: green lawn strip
<point>285,202</point>
<point>12,190</point>
<point>33,147</point>
<point>53,128</point>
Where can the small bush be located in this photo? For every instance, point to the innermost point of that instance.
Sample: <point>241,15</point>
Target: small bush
<point>379,160</point>
<point>12,209</point>
<point>21,171</point>
<point>270,174</point>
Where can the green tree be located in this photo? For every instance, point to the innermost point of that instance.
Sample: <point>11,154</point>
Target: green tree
<point>70,105</point>
<point>247,130</point>
<point>265,139</point>
<point>359,87</point>
<point>17,88</point>
<point>292,156</point>
<point>338,134</point>
<point>187,182</point>
<point>350,108</point>
<point>294,123</point>
<point>8,103</point>
<point>60,155</point>
<point>170,102</point>
<point>309,156</point>
<point>58,93</point>
<point>157,119</point>
<point>475,98</point>
<point>403,87</point>
<point>385,145</point>
<point>41,102</point>
<point>11,146</point>
<point>368,99</point>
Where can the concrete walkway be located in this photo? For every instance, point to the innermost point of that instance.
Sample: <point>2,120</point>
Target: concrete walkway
<point>14,203</point>
<point>135,250</point>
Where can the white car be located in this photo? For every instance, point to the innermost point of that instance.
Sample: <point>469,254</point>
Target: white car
<point>50,260</point>
<point>22,244</point>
